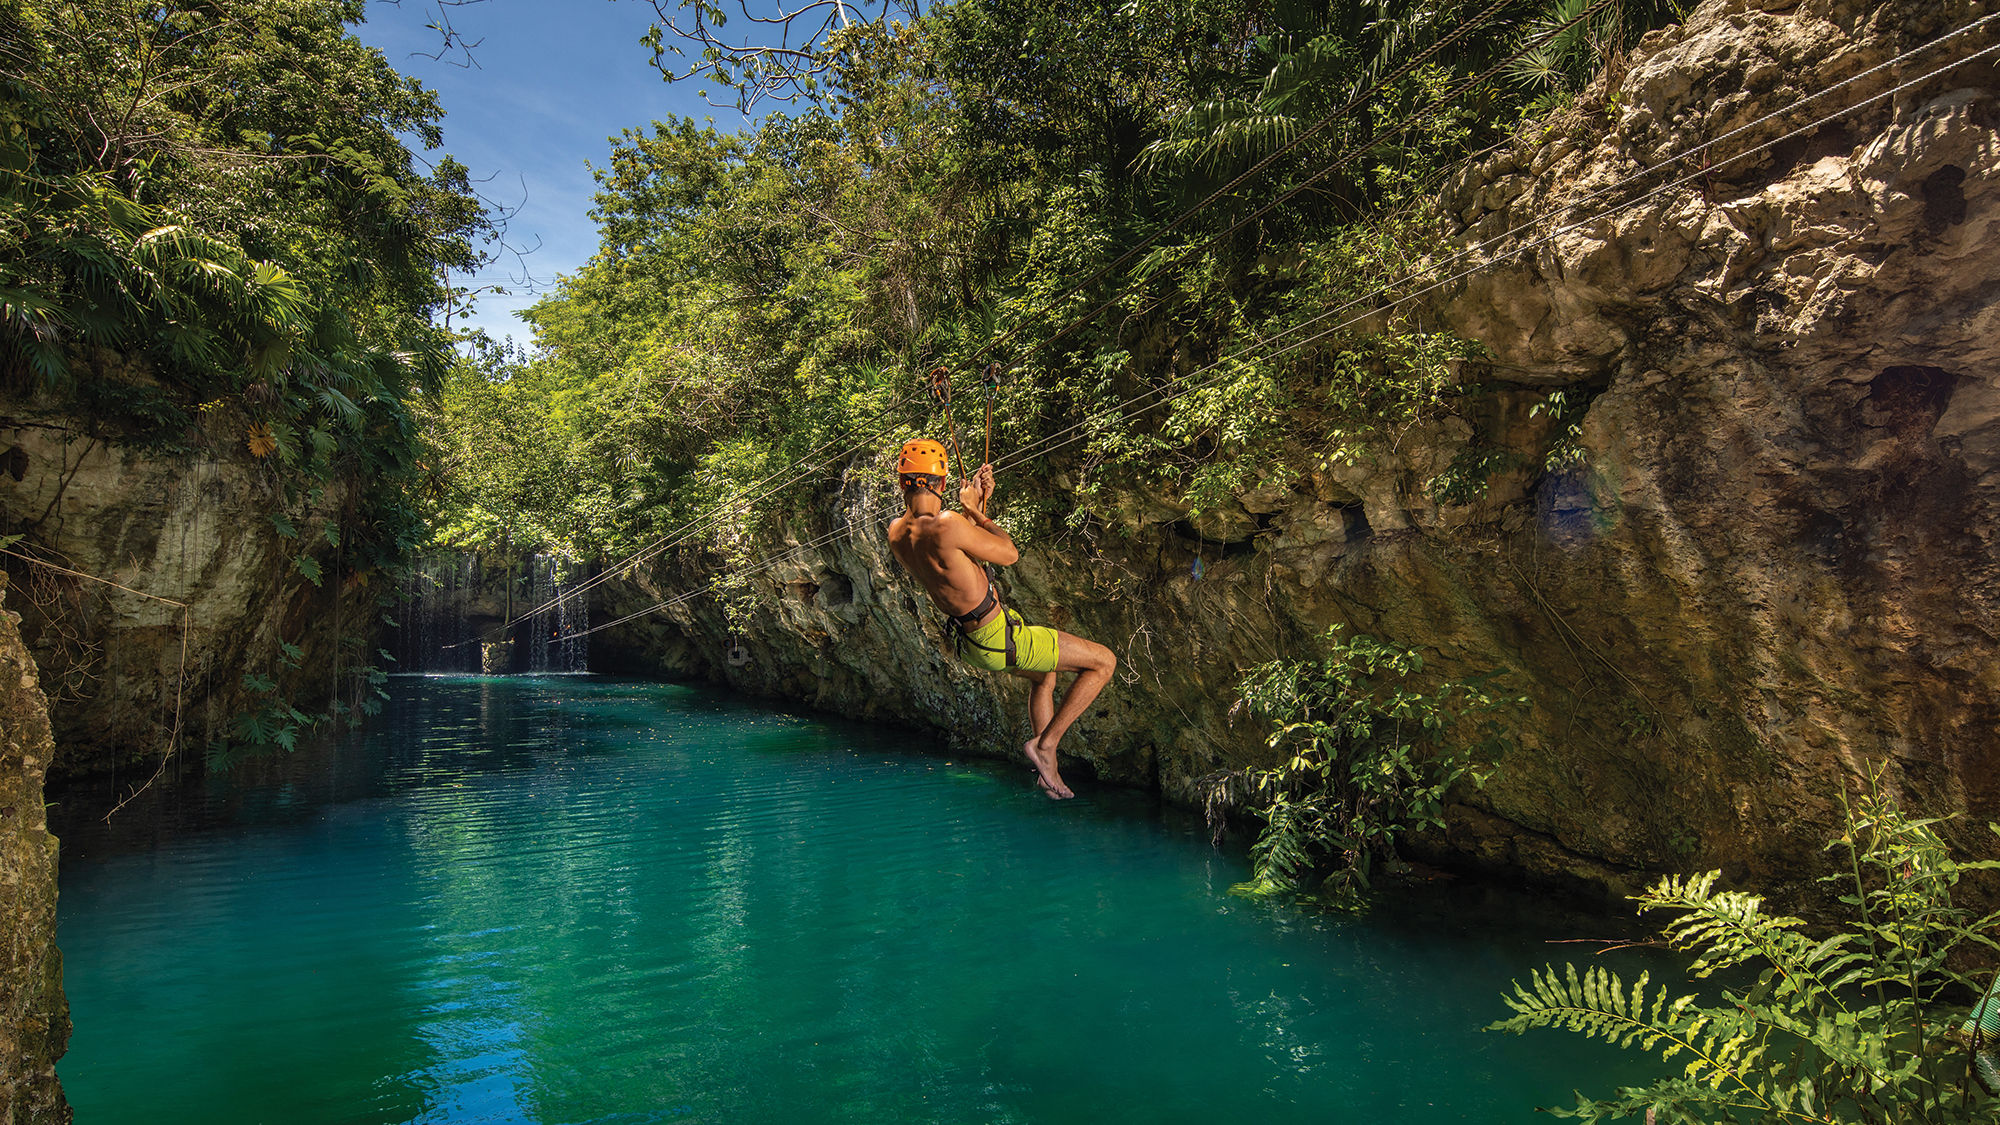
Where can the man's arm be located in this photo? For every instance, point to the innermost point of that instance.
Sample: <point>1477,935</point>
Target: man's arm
<point>985,540</point>
<point>982,538</point>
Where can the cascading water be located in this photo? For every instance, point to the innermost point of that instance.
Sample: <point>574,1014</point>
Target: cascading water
<point>462,614</point>
<point>556,636</point>
<point>438,633</point>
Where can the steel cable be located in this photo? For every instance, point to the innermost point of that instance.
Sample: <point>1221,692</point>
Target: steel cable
<point>693,528</point>
<point>1048,444</point>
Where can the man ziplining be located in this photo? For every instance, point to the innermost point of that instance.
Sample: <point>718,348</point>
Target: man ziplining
<point>946,551</point>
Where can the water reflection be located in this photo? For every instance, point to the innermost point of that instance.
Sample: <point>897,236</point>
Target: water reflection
<point>584,900</point>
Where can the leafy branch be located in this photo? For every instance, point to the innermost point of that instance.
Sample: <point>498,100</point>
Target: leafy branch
<point>1853,1026</point>
<point>798,54</point>
<point>1372,754</point>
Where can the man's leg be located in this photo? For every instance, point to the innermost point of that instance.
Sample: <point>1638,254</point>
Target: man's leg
<point>1093,664</point>
<point>1042,703</point>
<point>1041,709</point>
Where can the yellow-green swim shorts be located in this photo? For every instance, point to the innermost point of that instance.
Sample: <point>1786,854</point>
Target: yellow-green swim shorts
<point>1035,648</point>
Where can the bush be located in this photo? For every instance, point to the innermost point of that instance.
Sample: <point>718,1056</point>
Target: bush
<point>1864,1025</point>
<point>1373,755</point>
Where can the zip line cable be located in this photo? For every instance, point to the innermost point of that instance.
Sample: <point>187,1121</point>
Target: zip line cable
<point>767,564</point>
<point>1341,160</point>
<point>805,465</point>
<point>1048,445</point>
<point>1346,157</point>
<point>805,469</point>
<point>1020,455</point>
<point>1485,78</point>
<point>1662,165</point>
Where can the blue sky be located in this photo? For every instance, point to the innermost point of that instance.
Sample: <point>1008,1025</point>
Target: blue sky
<point>553,80</point>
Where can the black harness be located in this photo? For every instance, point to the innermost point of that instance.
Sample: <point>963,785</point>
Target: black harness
<point>967,621</point>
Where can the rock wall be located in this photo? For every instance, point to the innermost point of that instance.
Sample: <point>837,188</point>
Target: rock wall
<point>34,1017</point>
<point>163,581</point>
<point>1772,568</point>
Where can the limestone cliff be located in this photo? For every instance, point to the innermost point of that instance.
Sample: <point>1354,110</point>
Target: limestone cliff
<point>164,578</point>
<point>1773,564</point>
<point>34,1017</point>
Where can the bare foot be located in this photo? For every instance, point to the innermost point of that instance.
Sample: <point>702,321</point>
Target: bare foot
<point>1046,774</point>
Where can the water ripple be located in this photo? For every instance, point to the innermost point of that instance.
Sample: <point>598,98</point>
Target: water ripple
<point>581,900</point>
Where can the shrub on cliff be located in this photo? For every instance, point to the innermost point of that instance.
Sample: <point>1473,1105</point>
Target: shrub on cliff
<point>1372,752</point>
<point>1867,1024</point>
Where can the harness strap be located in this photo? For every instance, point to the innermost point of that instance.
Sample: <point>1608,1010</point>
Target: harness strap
<point>970,618</point>
<point>964,623</point>
<point>923,481</point>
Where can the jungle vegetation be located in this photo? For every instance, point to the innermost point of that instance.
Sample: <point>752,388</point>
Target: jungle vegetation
<point>1106,201</point>
<point>216,241</point>
<point>968,184</point>
<point>213,236</point>
<point>1878,1020</point>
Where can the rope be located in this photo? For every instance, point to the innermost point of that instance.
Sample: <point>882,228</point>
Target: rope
<point>689,530</point>
<point>180,676</point>
<point>1048,444</point>
<point>941,390</point>
<point>992,381</point>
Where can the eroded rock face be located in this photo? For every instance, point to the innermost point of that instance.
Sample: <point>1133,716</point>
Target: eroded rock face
<point>182,585</point>
<point>1788,493</point>
<point>1773,567</point>
<point>34,1016</point>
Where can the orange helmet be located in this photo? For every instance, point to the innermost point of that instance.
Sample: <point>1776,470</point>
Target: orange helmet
<point>922,456</point>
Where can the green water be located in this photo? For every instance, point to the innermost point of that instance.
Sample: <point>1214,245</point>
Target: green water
<point>580,900</point>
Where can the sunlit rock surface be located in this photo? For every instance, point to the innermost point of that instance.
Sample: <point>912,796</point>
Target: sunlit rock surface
<point>1773,566</point>
<point>127,670</point>
<point>34,1017</point>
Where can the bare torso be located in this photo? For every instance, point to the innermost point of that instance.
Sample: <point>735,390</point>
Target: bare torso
<point>944,551</point>
<point>932,548</point>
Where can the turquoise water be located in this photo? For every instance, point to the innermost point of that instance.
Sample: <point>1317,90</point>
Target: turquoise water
<point>574,899</point>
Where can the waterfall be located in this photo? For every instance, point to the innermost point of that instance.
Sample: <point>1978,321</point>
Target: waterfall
<point>556,640</point>
<point>454,607</point>
<point>435,634</point>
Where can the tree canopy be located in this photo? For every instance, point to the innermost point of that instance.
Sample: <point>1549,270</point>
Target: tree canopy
<point>998,172</point>
<point>220,190</point>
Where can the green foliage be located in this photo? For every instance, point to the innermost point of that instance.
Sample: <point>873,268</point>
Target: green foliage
<point>763,301</point>
<point>1566,63</point>
<point>366,680</point>
<point>218,194</point>
<point>1566,406</point>
<point>1856,1025</point>
<point>1472,468</point>
<point>269,722</point>
<point>1373,750</point>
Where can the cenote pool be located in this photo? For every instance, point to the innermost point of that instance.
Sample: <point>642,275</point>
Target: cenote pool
<point>576,899</point>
